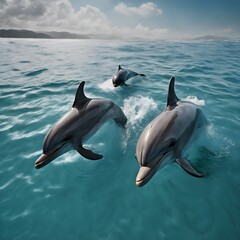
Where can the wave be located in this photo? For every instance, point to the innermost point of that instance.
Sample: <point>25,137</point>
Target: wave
<point>34,73</point>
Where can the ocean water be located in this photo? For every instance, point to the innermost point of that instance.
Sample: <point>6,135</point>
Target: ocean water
<point>74,198</point>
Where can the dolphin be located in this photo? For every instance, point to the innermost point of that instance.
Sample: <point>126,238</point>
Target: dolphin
<point>122,75</point>
<point>80,123</point>
<point>165,137</point>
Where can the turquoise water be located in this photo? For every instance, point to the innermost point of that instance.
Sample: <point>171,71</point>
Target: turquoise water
<point>74,198</point>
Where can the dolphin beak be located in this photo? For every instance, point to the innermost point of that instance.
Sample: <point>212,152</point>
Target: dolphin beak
<point>145,174</point>
<point>48,157</point>
<point>42,161</point>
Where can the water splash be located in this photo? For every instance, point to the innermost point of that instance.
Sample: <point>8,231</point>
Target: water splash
<point>136,108</point>
<point>195,100</point>
<point>106,86</point>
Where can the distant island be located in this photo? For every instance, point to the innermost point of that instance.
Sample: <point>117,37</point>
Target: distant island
<point>211,38</point>
<point>13,33</point>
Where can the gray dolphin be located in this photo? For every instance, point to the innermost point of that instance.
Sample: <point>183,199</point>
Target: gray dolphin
<point>166,136</point>
<point>85,118</point>
<point>122,75</point>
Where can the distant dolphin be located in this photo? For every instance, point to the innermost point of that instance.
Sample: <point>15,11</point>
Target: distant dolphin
<point>166,136</point>
<point>85,118</point>
<point>122,75</point>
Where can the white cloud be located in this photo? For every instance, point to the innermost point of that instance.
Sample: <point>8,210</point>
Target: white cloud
<point>59,15</point>
<point>145,9</point>
<point>52,15</point>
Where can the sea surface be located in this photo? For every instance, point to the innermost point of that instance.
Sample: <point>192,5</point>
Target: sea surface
<point>75,198</point>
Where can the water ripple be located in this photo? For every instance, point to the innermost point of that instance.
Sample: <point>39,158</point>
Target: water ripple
<point>35,73</point>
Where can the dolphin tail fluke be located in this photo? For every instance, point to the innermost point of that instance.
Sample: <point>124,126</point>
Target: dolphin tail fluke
<point>88,153</point>
<point>185,164</point>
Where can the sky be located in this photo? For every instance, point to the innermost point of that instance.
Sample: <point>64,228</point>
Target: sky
<point>156,19</point>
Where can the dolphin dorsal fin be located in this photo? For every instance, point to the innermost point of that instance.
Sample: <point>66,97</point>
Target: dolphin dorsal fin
<point>172,98</point>
<point>80,97</point>
<point>119,67</point>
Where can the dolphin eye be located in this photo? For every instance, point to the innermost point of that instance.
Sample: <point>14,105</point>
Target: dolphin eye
<point>172,143</point>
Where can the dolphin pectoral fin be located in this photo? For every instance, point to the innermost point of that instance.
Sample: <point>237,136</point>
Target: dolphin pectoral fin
<point>88,153</point>
<point>185,164</point>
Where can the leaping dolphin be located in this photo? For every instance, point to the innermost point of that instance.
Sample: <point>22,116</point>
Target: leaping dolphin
<point>122,75</point>
<point>85,118</point>
<point>166,136</point>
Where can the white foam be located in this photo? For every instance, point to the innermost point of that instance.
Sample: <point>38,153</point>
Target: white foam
<point>106,86</point>
<point>66,158</point>
<point>195,100</point>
